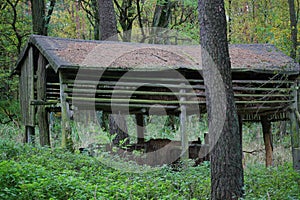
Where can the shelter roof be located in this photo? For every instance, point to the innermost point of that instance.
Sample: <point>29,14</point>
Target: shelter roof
<point>74,53</point>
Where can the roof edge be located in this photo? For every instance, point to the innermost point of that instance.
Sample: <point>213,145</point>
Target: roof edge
<point>33,42</point>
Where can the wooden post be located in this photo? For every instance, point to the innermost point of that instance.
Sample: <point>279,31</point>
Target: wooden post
<point>65,117</point>
<point>267,134</point>
<point>29,135</point>
<point>140,128</point>
<point>241,129</point>
<point>295,123</point>
<point>184,136</point>
<point>42,114</point>
<point>241,138</point>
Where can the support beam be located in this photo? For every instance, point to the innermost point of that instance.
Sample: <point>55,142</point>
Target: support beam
<point>295,123</point>
<point>140,128</point>
<point>42,115</point>
<point>295,140</point>
<point>65,116</point>
<point>184,136</point>
<point>267,134</point>
<point>241,138</point>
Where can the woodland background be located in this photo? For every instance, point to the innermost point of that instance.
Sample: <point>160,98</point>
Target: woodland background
<point>56,174</point>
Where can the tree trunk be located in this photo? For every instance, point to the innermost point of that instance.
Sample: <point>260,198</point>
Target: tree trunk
<point>226,153</point>
<point>140,128</point>
<point>38,17</point>
<point>104,121</point>
<point>162,14</point>
<point>161,20</point>
<point>267,133</point>
<point>97,20</point>
<point>118,128</point>
<point>294,30</point>
<point>41,19</point>
<point>229,20</point>
<point>108,23</point>
<point>126,18</point>
<point>108,31</point>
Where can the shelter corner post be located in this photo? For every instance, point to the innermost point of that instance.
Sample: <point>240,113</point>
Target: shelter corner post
<point>42,114</point>
<point>65,116</point>
<point>295,123</point>
<point>184,135</point>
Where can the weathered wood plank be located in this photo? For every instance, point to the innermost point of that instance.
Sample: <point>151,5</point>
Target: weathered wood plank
<point>26,95</point>
<point>295,132</point>
<point>168,85</point>
<point>157,93</point>
<point>65,118</point>
<point>149,101</point>
<point>108,100</point>
<point>42,114</point>
<point>184,135</point>
<point>42,102</point>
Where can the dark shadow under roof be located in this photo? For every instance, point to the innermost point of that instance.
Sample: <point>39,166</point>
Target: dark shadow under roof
<point>74,53</point>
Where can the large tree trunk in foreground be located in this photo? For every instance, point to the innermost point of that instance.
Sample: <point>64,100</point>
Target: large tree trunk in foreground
<point>108,31</point>
<point>226,154</point>
<point>40,22</point>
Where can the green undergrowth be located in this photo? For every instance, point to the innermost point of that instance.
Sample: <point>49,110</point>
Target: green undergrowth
<point>40,173</point>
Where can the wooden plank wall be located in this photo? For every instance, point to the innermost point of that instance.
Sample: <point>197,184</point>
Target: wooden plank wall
<point>42,115</point>
<point>27,90</point>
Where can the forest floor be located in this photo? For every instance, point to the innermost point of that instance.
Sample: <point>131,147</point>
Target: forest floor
<point>28,172</point>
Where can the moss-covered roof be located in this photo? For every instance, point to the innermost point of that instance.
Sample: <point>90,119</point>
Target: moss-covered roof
<point>74,53</point>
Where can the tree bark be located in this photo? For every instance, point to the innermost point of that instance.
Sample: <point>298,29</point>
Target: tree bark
<point>294,30</point>
<point>126,18</point>
<point>226,153</point>
<point>41,19</point>
<point>118,128</point>
<point>161,20</point>
<point>40,22</point>
<point>38,17</point>
<point>97,20</point>
<point>108,23</point>
<point>162,14</point>
<point>267,133</point>
<point>108,31</point>
<point>140,128</point>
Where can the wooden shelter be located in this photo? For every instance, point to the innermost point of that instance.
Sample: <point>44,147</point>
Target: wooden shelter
<point>63,74</point>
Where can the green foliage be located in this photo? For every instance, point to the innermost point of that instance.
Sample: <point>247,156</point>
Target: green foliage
<point>38,173</point>
<point>260,22</point>
<point>280,182</point>
<point>14,29</point>
<point>41,173</point>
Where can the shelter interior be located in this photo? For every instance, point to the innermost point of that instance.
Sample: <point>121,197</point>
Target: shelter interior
<point>60,75</point>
